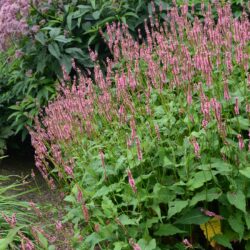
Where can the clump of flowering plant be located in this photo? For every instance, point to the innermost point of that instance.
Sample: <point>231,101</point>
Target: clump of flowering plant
<point>13,22</point>
<point>174,110</point>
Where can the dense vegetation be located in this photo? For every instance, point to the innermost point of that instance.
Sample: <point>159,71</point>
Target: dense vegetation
<point>38,37</point>
<point>158,146</point>
<point>150,144</point>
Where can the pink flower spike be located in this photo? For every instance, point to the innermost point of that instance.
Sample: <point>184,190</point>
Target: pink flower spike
<point>131,181</point>
<point>236,106</point>
<point>211,214</point>
<point>187,243</point>
<point>58,225</point>
<point>196,147</point>
<point>240,141</point>
<point>134,245</point>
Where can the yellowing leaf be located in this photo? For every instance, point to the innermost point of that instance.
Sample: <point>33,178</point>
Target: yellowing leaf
<point>210,229</point>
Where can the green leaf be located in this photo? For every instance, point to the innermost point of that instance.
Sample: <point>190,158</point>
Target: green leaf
<point>40,37</point>
<point>51,247</point>
<point>206,195</point>
<point>125,220</point>
<point>237,199</point>
<point>161,194</point>
<point>168,230</point>
<point>43,241</point>
<point>120,245</point>
<point>222,240</point>
<point>75,52</point>
<point>147,244</point>
<point>96,14</point>
<point>247,218</point>
<point>63,39</point>
<point>235,221</point>
<point>69,20</point>
<point>4,243</point>
<point>102,192</point>
<point>199,179</point>
<point>54,50</point>
<point>176,207</point>
<point>108,207</point>
<point>246,172</point>
<point>193,217</point>
<point>66,61</point>
<point>93,239</point>
<point>54,32</point>
<point>93,4</point>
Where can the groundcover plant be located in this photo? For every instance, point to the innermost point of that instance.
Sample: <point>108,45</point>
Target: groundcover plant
<point>154,152</point>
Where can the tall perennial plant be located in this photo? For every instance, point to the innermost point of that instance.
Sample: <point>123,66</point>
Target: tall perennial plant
<point>154,152</point>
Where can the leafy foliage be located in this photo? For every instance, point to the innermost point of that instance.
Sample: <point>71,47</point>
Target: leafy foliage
<point>157,145</point>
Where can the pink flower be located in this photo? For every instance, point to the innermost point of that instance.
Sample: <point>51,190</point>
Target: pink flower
<point>138,145</point>
<point>69,170</point>
<point>97,227</point>
<point>33,174</point>
<point>211,214</point>
<point>196,147</point>
<point>131,181</point>
<point>189,96</point>
<point>58,225</point>
<point>79,195</point>
<point>187,243</point>
<point>240,141</point>
<point>226,91</point>
<point>134,245</point>
<point>236,106</point>
<point>85,212</point>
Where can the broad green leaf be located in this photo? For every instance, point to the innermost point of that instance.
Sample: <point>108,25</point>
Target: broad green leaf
<point>96,14</point>
<point>108,207</point>
<point>237,199</point>
<point>40,37</point>
<point>54,50</point>
<point>247,218</point>
<point>157,209</point>
<point>206,195</point>
<point>246,172</point>
<point>161,194</point>
<point>176,207</point>
<point>51,247</point>
<point>235,221</point>
<point>125,220</point>
<point>168,230</point>
<point>199,179</point>
<point>102,192</point>
<point>93,3</point>
<point>93,239</point>
<point>75,52</point>
<point>63,39</point>
<point>54,32</point>
<point>43,241</point>
<point>66,62</point>
<point>119,245</point>
<point>69,20</point>
<point>147,244</point>
<point>223,241</point>
<point>193,217</point>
